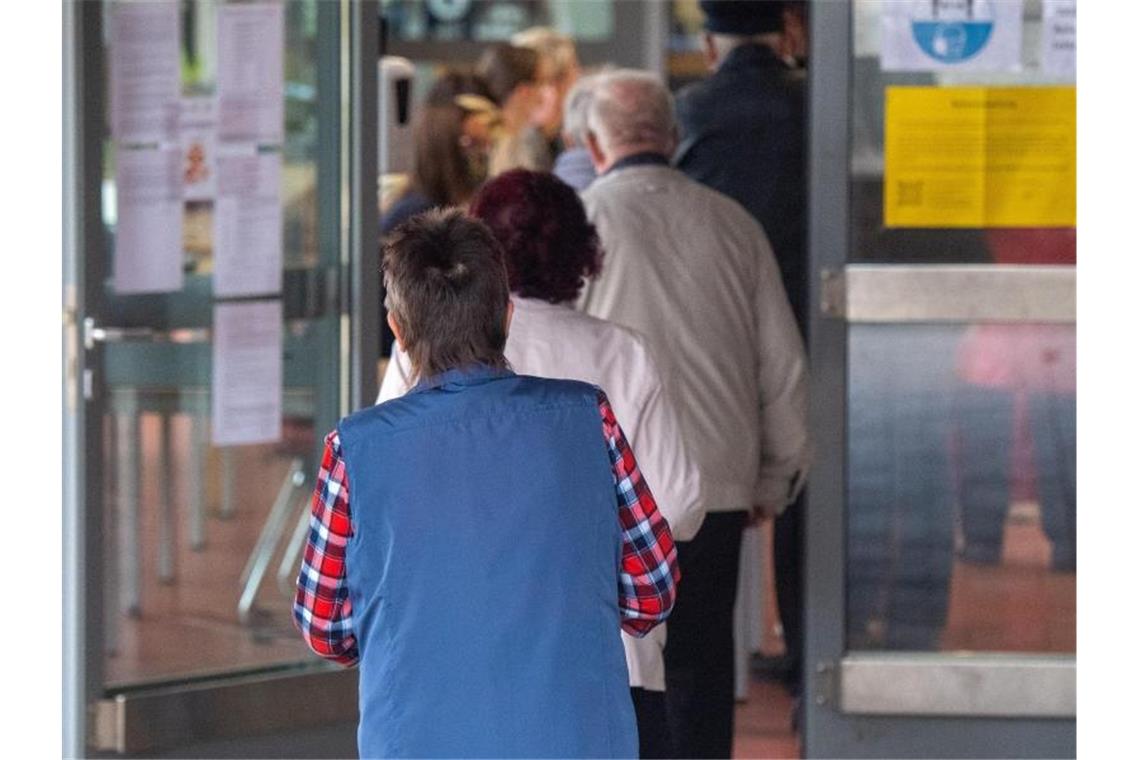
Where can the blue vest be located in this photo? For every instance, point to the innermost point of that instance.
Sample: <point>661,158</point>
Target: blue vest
<point>483,572</point>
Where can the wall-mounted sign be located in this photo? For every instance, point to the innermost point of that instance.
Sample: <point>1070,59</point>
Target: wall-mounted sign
<point>148,220</point>
<point>248,371</point>
<point>199,136</point>
<point>251,72</point>
<point>146,78</point>
<point>980,157</point>
<point>248,220</point>
<point>957,35</point>
<point>1059,38</point>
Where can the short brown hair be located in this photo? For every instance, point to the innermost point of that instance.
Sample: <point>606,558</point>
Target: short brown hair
<point>447,291</point>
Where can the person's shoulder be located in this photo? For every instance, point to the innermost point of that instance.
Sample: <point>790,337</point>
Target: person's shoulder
<point>392,414</point>
<point>604,336</point>
<point>549,391</point>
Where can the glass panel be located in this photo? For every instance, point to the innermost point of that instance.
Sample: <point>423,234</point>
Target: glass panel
<point>871,240</point>
<point>496,20</point>
<point>193,529</point>
<point>961,520</point>
<point>961,438</point>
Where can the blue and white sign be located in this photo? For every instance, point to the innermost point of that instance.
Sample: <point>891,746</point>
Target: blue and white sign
<point>951,35</point>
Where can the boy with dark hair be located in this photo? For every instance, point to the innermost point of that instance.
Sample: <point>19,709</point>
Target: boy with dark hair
<point>498,537</point>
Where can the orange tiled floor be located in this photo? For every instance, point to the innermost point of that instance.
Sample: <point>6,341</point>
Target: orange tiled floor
<point>763,724</point>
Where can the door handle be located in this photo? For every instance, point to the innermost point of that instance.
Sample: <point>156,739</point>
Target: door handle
<point>93,333</point>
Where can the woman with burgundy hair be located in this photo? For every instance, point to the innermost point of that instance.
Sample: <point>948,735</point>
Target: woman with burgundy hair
<point>550,250</point>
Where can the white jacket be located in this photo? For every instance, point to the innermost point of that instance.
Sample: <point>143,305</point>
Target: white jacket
<point>693,272</point>
<point>549,340</point>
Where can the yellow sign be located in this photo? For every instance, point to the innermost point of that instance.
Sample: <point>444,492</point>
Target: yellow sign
<point>980,157</point>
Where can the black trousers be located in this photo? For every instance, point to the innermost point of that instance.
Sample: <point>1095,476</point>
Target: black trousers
<point>787,562</point>
<point>652,727</point>
<point>699,699</point>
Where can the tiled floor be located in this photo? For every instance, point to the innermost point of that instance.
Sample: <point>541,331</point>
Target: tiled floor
<point>764,725</point>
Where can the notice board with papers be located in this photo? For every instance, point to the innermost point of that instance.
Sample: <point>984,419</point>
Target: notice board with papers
<point>980,157</point>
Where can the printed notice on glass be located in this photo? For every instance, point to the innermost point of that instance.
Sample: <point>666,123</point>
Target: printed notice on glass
<point>951,35</point>
<point>148,224</point>
<point>146,73</point>
<point>198,134</point>
<point>980,157</point>
<point>247,222</point>
<point>247,373</point>
<point>1059,38</point>
<point>251,72</point>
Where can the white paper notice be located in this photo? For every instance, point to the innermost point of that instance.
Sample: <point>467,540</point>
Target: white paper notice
<point>198,133</point>
<point>148,225</point>
<point>1059,38</point>
<point>146,74</point>
<point>251,72</point>
<point>247,222</point>
<point>951,35</point>
<point>247,373</point>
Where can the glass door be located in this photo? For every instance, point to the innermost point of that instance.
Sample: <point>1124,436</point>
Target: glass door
<point>941,544</point>
<point>216,333</point>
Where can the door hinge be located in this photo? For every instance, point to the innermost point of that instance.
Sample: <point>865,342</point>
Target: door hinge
<point>825,684</point>
<point>833,293</point>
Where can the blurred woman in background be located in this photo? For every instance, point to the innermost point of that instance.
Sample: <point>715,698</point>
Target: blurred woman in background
<point>520,82</point>
<point>452,137</point>
<point>562,62</point>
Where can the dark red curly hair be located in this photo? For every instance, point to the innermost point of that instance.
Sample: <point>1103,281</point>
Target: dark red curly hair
<point>551,248</point>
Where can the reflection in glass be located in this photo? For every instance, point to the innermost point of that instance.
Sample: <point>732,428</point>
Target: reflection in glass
<point>185,519</point>
<point>961,524</point>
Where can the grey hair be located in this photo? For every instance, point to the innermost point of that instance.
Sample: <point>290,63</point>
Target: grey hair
<point>576,109</point>
<point>631,107</point>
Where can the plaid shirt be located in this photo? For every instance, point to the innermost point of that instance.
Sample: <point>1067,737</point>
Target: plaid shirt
<point>646,582</point>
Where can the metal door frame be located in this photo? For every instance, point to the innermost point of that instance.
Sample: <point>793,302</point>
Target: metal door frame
<point>862,704</point>
<point>92,722</point>
<point>83,271</point>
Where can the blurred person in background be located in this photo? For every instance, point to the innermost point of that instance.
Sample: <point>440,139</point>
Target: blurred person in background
<point>478,545</point>
<point>520,83</point>
<point>573,165</point>
<point>743,132</point>
<point>451,137</point>
<point>691,270</point>
<point>1017,396</point>
<point>551,250</point>
<point>451,141</point>
<point>562,62</point>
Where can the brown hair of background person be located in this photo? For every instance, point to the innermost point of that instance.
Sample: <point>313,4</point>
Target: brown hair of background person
<point>561,60</point>
<point>505,67</point>
<point>448,300</point>
<point>445,169</point>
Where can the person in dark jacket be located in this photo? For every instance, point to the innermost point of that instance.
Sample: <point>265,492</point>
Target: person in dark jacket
<point>743,133</point>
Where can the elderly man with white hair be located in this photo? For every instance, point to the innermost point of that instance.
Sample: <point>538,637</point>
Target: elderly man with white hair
<point>573,165</point>
<point>692,271</point>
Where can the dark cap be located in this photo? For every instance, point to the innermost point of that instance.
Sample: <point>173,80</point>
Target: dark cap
<point>743,17</point>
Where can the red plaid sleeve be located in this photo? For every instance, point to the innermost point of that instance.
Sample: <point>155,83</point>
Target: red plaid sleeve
<point>647,581</point>
<point>322,609</point>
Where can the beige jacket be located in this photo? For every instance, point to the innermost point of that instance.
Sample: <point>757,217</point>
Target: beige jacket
<point>693,272</point>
